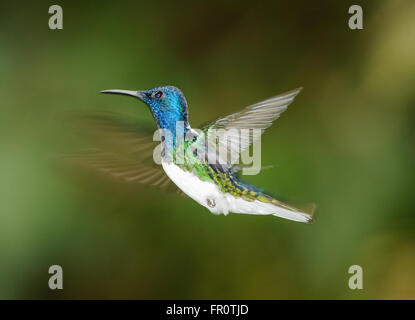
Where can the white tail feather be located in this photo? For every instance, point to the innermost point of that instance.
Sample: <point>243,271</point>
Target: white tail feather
<point>238,205</point>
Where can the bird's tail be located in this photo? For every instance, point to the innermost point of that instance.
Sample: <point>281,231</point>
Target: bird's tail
<point>252,200</point>
<point>263,204</point>
<point>283,210</point>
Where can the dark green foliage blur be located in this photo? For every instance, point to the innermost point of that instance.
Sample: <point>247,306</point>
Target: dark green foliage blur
<point>346,143</point>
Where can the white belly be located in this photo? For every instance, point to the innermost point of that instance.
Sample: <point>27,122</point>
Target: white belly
<point>208,195</point>
<point>205,193</point>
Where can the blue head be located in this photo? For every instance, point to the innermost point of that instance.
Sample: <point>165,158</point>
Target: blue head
<point>167,104</point>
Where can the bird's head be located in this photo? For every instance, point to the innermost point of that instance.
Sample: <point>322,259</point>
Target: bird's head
<point>167,104</point>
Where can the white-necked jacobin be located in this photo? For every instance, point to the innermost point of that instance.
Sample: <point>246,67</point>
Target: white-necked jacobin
<point>216,186</point>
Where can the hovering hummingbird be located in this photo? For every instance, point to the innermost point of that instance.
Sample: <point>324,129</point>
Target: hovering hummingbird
<point>217,185</point>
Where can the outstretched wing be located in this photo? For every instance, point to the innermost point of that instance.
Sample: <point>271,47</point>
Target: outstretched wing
<point>120,148</point>
<point>236,134</point>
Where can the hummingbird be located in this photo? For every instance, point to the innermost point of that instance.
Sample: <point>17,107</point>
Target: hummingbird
<point>216,186</point>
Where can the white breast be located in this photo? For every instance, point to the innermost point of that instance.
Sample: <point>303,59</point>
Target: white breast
<point>205,193</point>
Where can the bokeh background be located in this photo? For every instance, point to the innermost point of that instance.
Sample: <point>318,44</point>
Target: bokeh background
<point>346,143</point>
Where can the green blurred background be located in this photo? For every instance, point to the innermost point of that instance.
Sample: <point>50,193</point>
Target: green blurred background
<point>346,143</point>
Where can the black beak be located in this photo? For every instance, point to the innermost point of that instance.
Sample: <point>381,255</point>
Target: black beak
<point>137,94</point>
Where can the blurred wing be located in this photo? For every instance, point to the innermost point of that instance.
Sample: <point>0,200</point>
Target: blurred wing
<point>257,116</point>
<point>122,149</point>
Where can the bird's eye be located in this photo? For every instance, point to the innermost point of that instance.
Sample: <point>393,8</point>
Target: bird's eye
<point>158,94</point>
